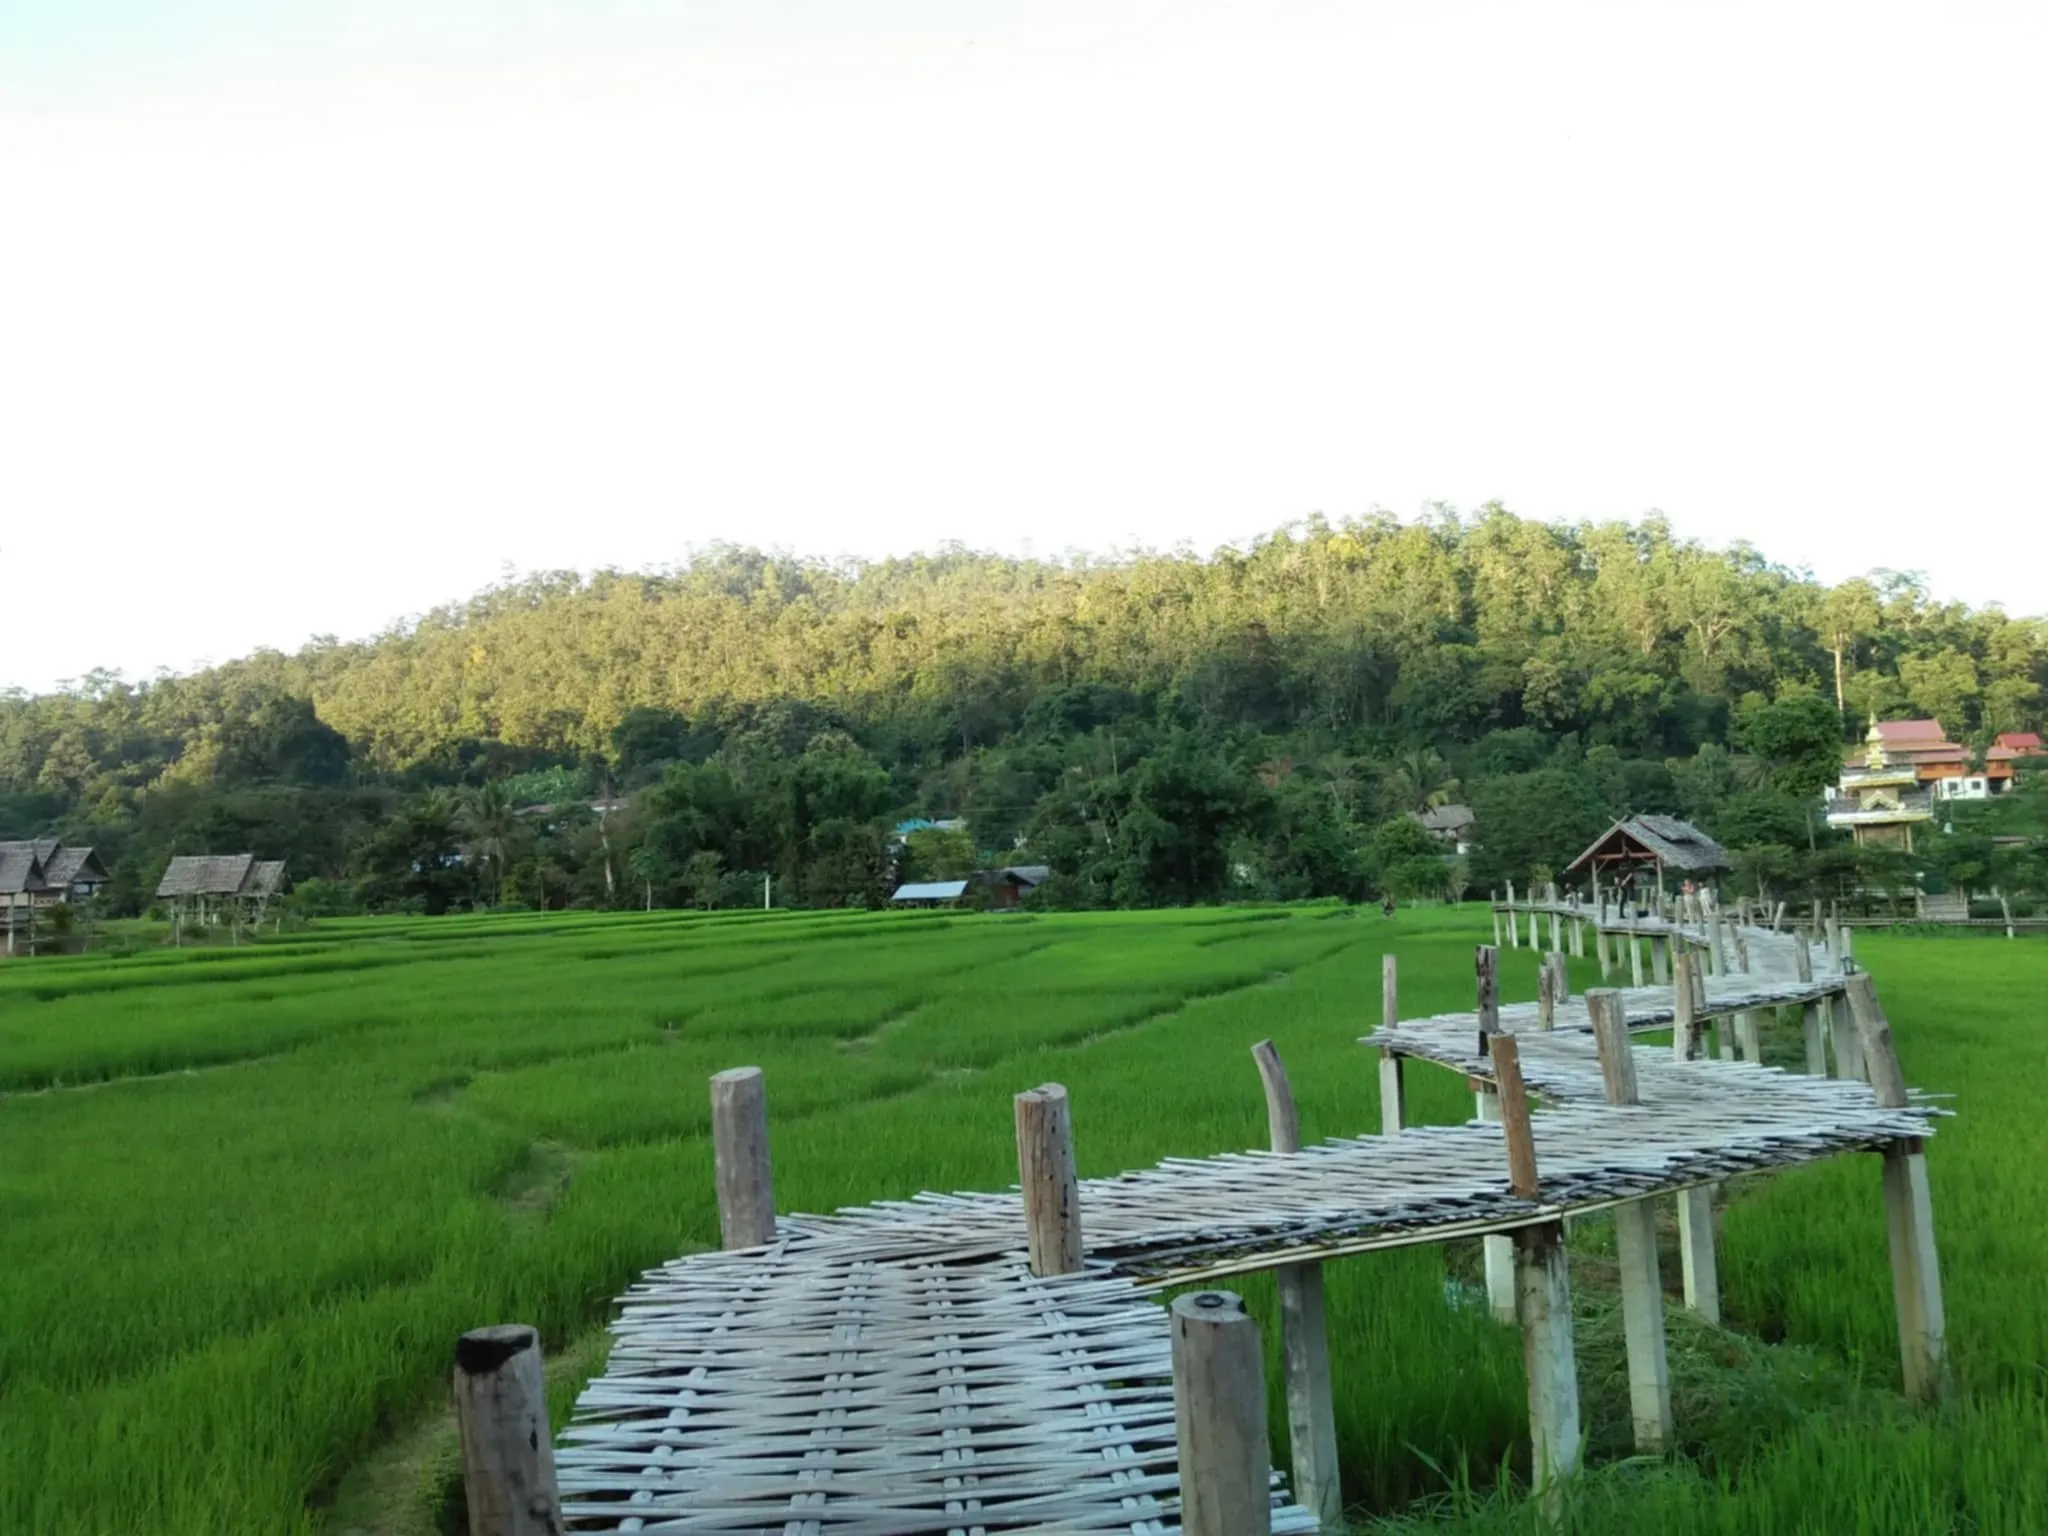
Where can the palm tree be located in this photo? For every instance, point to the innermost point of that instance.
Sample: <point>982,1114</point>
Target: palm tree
<point>1420,780</point>
<point>490,824</point>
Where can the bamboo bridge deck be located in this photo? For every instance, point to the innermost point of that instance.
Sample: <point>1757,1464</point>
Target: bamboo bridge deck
<point>898,1368</point>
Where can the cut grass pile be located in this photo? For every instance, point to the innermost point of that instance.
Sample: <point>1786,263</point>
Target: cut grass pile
<point>248,1198</point>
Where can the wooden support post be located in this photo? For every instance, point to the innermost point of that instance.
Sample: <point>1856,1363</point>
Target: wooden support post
<point>1304,1334</point>
<point>1514,922</point>
<point>1635,1245</point>
<point>1778,919</point>
<point>1219,1417</point>
<point>1741,952</point>
<point>1802,959</point>
<point>1848,1049</point>
<point>739,1148</point>
<point>501,1418</point>
<point>1578,938</point>
<point>1908,1211</point>
<point>1749,1035</point>
<point>1543,1293</point>
<point>1660,960</point>
<point>1685,1027</point>
<point>1916,1271</point>
<point>1600,947</point>
<point>1497,1252</point>
<point>1814,1040</point>
<point>1635,959</point>
<point>1393,1094</point>
<point>2005,906</point>
<point>1393,1087</point>
<point>1546,996</point>
<point>1835,940</point>
<point>1556,926</point>
<point>1496,927</point>
<point>1045,1170</point>
<point>1696,1262</point>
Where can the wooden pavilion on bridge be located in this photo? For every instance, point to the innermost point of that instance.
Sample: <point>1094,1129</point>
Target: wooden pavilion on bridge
<point>1646,845</point>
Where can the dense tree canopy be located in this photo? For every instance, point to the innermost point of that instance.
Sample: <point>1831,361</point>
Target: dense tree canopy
<point>1160,728</point>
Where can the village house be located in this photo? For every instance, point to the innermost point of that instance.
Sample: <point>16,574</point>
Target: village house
<point>44,873</point>
<point>1450,825</point>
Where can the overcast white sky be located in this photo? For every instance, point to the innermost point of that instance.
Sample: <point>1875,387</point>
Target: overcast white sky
<point>315,315</point>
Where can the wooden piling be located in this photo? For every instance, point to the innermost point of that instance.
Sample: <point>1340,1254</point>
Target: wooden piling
<point>1219,1417</point>
<point>1546,996</point>
<point>1696,1205</point>
<point>1660,960</point>
<point>1698,1267</point>
<point>1635,1245</point>
<point>1635,959</point>
<point>1486,972</point>
<point>1393,1094</point>
<point>1513,1102</point>
<point>501,1419</point>
<point>1497,1253</point>
<point>1685,1025</point>
<point>739,1149</point>
<point>1600,948</point>
<point>1813,1039</point>
<point>1393,1086</point>
<point>1848,1049</point>
<point>1749,1034</point>
<point>1543,1294</point>
<point>1045,1171</point>
<point>1908,1210</point>
<point>1304,1333</point>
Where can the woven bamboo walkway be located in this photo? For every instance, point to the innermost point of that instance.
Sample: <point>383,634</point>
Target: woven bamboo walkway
<point>897,1369</point>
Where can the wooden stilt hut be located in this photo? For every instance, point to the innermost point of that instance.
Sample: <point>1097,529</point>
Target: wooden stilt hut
<point>206,889</point>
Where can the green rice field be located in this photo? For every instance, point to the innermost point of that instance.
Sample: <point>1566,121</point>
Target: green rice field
<point>248,1199</point>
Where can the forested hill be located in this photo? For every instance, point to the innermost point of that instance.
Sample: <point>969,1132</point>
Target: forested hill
<point>1357,668</point>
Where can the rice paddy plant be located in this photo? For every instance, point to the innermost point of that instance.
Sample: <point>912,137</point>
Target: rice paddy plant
<point>249,1197</point>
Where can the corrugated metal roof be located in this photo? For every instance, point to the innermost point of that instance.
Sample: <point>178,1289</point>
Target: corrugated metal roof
<point>931,890</point>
